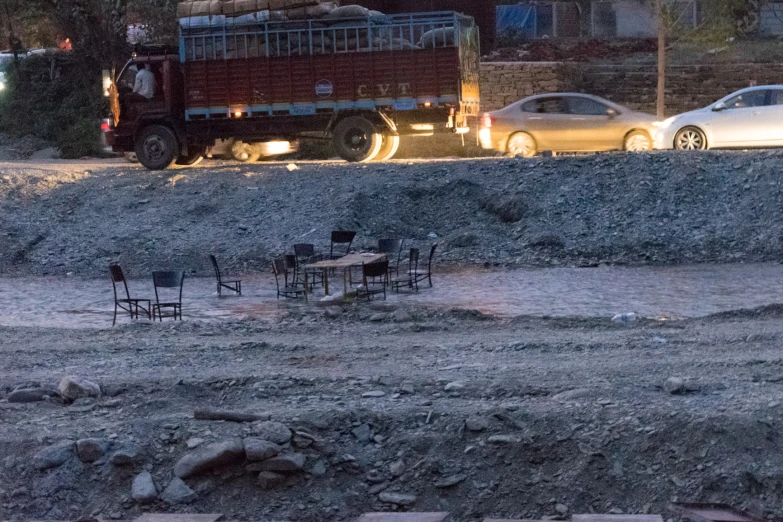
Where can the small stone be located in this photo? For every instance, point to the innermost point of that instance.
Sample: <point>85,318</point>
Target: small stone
<point>55,455</point>
<point>373,394</point>
<point>72,388</point>
<point>377,318</point>
<point>270,480</point>
<point>401,499</point>
<point>561,509</point>
<point>210,457</point>
<point>276,432</point>
<point>401,316</point>
<point>407,388</point>
<point>476,423</point>
<point>674,385</point>
<point>397,468</point>
<point>501,439</point>
<point>455,386</point>
<point>194,442</point>
<point>257,449</point>
<point>90,450</point>
<point>319,469</point>
<point>363,433</point>
<point>292,462</point>
<point>177,492</point>
<point>143,489</point>
<point>29,395</point>
<point>125,456</point>
<point>451,481</point>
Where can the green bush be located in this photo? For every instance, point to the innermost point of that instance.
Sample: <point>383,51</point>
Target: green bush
<point>54,98</point>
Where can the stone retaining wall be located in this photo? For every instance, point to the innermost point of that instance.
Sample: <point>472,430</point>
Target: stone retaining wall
<point>688,87</point>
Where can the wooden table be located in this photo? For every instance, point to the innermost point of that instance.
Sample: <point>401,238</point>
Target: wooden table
<point>346,263</point>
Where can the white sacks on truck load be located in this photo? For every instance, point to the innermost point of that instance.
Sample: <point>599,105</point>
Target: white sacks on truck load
<point>214,12</point>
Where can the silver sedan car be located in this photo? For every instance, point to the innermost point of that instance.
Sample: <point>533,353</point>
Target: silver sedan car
<point>751,117</point>
<point>566,123</point>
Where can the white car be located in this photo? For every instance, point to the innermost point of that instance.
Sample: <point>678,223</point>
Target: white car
<point>751,117</point>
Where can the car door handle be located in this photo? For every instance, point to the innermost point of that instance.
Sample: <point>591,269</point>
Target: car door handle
<point>755,113</point>
<point>536,118</point>
<point>578,119</point>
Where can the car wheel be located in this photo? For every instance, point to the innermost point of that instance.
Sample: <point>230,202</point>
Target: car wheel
<point>638,141</point>
<point>157,147</point>
<point>356,139</point>
<point>690,138</point>
<point>521,144</point>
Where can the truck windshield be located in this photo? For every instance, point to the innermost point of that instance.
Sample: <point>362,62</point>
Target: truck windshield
<point>128,76</point>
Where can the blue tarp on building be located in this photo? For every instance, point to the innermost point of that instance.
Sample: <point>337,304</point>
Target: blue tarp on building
<point>520,17</point>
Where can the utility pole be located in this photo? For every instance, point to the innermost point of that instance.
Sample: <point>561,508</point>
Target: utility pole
<point>661,100</point>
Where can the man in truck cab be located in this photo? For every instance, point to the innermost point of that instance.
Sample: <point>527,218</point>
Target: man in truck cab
<point>144,86</point>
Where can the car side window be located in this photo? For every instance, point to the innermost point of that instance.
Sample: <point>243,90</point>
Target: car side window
<point>586,107</point>
<point>776,97</point>
<point>545,106</point>
<point>747,99</point>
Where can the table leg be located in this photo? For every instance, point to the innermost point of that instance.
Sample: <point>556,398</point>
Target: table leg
<point>305,284</point>
<point>326,281</point>
<point>345,282</point>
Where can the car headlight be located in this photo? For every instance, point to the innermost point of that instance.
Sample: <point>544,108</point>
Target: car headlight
<point>665,123</point>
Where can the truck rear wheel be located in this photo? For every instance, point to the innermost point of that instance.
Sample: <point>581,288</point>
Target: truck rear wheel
<point>157,147</point>
<point>245,152</point>
<point>389,148</point>
<point>356,139</point>
<point>195,156</point>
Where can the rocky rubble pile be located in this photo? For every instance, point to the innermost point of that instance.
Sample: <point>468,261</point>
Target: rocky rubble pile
<point>575,211</point>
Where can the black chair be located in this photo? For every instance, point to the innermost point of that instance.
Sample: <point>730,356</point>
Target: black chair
<point>289,289</point>
<point>234,285</point>
<point>393,250</point>
<point>375,277</point>
<point>305,255</point>
<point>341,237</point>
<point>132,306</point>
<point>292,269</point>
<point>409,278</point>
<point>420,274</point>
<point>167,279</point>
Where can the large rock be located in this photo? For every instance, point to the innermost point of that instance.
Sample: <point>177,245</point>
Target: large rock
<point>292,462</point>
<point>177,492</point>
<point>29,395</point>
<point>55,455</point>
<point>66,477</point>
<point>143,489</point>
<point>258,449</point>
<point>401,499</point>
<point>72,388</point>
<point>90,450</point>
<point>210,457</point>
<point>675,385</point>
<point>276,432</point>
<point>124,456</point>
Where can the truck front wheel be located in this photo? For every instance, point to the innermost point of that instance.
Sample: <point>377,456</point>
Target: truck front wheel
<point>157,147</point>
<point>356,139</point>
<point>195,156</point>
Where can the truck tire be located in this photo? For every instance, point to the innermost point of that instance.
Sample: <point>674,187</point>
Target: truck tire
<point>356,139</point>
<point>389,148</point>
<point>195,156</point>
<point>157,147</point>
<point>245,152</point>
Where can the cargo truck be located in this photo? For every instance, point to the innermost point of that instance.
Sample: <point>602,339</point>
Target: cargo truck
<point>361,83</point>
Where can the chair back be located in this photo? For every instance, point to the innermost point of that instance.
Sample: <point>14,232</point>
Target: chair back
<point>304,250</point>
<point>391,247</point>
<point>376,269</point>
<point>279,268</point>
<point>117,276</point>
<point>341,237</point>
<point>432,254</point>
<point>168,279</point>
<point>289,265</point>
<point>215,266</point>
<point>413,259</point>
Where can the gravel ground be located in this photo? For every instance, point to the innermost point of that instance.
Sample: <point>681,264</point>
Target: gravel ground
<point>458,412</point>
<point>392,407</point>
<point>579,211</point>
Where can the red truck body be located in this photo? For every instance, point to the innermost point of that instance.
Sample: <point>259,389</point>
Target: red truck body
<point>363,82</point>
